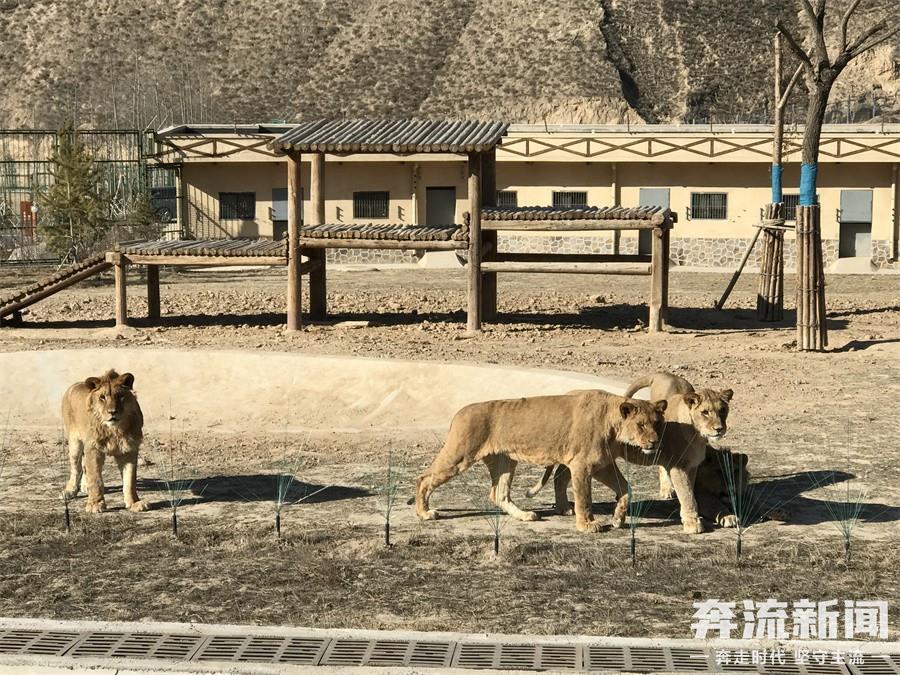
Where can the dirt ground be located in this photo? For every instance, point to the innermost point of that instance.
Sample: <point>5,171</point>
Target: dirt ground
<point>820,430</point>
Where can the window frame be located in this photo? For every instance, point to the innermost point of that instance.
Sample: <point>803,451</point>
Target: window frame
<point>515,199</point>
<point>693,208</point>
<point>357,204</point>
<point>557,193</point>
<point>236,216</point>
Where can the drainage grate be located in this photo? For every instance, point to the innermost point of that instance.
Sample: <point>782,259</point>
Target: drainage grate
<point>387,653</point>
<point>877,665</point>
<point>37,642</point>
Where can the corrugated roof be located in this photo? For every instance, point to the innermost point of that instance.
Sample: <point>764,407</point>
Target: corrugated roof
<point>394,136</point>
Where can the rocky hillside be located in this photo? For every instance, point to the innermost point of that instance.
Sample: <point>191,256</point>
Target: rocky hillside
<point>158,62</point>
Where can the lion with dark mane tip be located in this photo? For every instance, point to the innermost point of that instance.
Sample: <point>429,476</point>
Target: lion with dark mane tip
<point>586,431</point>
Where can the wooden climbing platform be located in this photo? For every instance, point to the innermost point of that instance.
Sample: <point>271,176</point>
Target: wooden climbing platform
<point>12,303</point>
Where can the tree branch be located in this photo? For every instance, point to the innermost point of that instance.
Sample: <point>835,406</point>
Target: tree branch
<point>858,48</point>
<point>845,20</point>
<point>795,46</point>
<point>816,17</point>
<point>790,87</point>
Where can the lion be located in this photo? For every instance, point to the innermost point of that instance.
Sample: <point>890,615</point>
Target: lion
<point>585,431</point>
<point>691,418</point>
<point>101,417</point>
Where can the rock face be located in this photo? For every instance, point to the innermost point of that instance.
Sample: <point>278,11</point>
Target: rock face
<point>157,62</point>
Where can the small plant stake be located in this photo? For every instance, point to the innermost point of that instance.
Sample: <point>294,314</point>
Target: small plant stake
<point>388,493</point>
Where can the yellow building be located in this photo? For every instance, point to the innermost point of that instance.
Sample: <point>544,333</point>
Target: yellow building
<point>715,178</point>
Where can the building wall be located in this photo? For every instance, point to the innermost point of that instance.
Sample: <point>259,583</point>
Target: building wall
<point>702,243</point>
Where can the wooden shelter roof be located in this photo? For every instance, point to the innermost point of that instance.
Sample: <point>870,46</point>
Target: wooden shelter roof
<point>391,136</point>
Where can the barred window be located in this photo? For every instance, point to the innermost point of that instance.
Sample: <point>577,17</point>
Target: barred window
<point>237,205</point>
<point>370,204</point>
<point>709,205</point>
<point>791,202</point>
<point>569,200</point>
<point>507,198</point>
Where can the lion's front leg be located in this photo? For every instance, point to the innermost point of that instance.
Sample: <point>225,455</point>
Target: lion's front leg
<point>128,468</point>
<point>93,480</point>
<point>76,457</point>
<point>666,489</point>
<point>684,488</point>
<point>581,485</point>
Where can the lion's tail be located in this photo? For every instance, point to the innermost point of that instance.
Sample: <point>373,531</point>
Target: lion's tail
<point>638,384</point>
<point>531,492</point>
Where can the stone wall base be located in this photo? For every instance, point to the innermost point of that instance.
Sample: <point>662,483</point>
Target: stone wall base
<point>684,252</point>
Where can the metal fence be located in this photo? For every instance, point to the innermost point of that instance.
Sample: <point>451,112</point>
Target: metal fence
<point>127,174</point>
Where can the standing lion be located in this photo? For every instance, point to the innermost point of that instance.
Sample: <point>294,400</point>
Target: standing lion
<point>101,417</point>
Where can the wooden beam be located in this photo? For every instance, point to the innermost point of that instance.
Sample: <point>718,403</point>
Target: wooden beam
<point>568,225</point>
<point>153,307</point>
<point>571,257</point>
<point>121,275</point>
<point>550,267</point>
<point>32,298</point>
<point>295,219</point>
<point>203,260</point>
<point>318,306</point>
<point>473,266</point>
<point>313,243</point>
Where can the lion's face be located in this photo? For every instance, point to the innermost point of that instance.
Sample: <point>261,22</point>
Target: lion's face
<point>111,396</point>
<point>642,424</point>
<point>709,411</point>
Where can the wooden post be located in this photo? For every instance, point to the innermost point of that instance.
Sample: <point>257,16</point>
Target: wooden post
<point>658,285</point>
<point>318,307</point>
<point>812,333</point>
<point>121,272</point>
<point>474,265</point>
<point>153,311</point>
<point>295,217</point>
<point>489,237</point>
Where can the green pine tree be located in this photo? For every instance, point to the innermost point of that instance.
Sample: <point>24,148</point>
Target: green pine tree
<point>75,208</point>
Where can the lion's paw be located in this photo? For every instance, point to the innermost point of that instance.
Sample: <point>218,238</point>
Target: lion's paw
<point>431,514</point>
<point>667,493</point>
<point>590,526</point>
<point>70,493</point>
<point>95,506</point>
<point>567,510</point>
<point>528,516</point>
<point>693,526</point>
<point>139,506</point>
<point>728,521</point>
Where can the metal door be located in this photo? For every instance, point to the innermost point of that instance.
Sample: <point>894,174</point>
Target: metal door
<point>440,206</point>
<point>855,224</point>
<point>655,196</point>
<point>279,213</point>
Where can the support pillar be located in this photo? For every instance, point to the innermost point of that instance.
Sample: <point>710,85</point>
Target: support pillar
<point>659,280</point>
<point>295,211</point>
<point>473,268</point>
<point>489,238</point>
<point>120,267</point>
<point>153,310</point>
<point>318,307</point>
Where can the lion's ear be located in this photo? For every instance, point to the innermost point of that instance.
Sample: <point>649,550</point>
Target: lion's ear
<point>626,408</point>
<point>661,405</point>
<point>92,383</point>
<point>126,380</point>
<point>692,400</point>
<point>743,458</point>
<point>727,394</point>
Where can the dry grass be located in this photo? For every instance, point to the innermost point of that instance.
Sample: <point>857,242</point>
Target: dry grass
<point>122,567</point>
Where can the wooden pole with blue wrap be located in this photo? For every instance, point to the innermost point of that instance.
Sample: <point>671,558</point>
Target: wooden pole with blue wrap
<point>820,73</point>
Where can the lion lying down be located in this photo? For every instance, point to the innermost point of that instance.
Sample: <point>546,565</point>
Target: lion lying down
<point>586,431</point>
